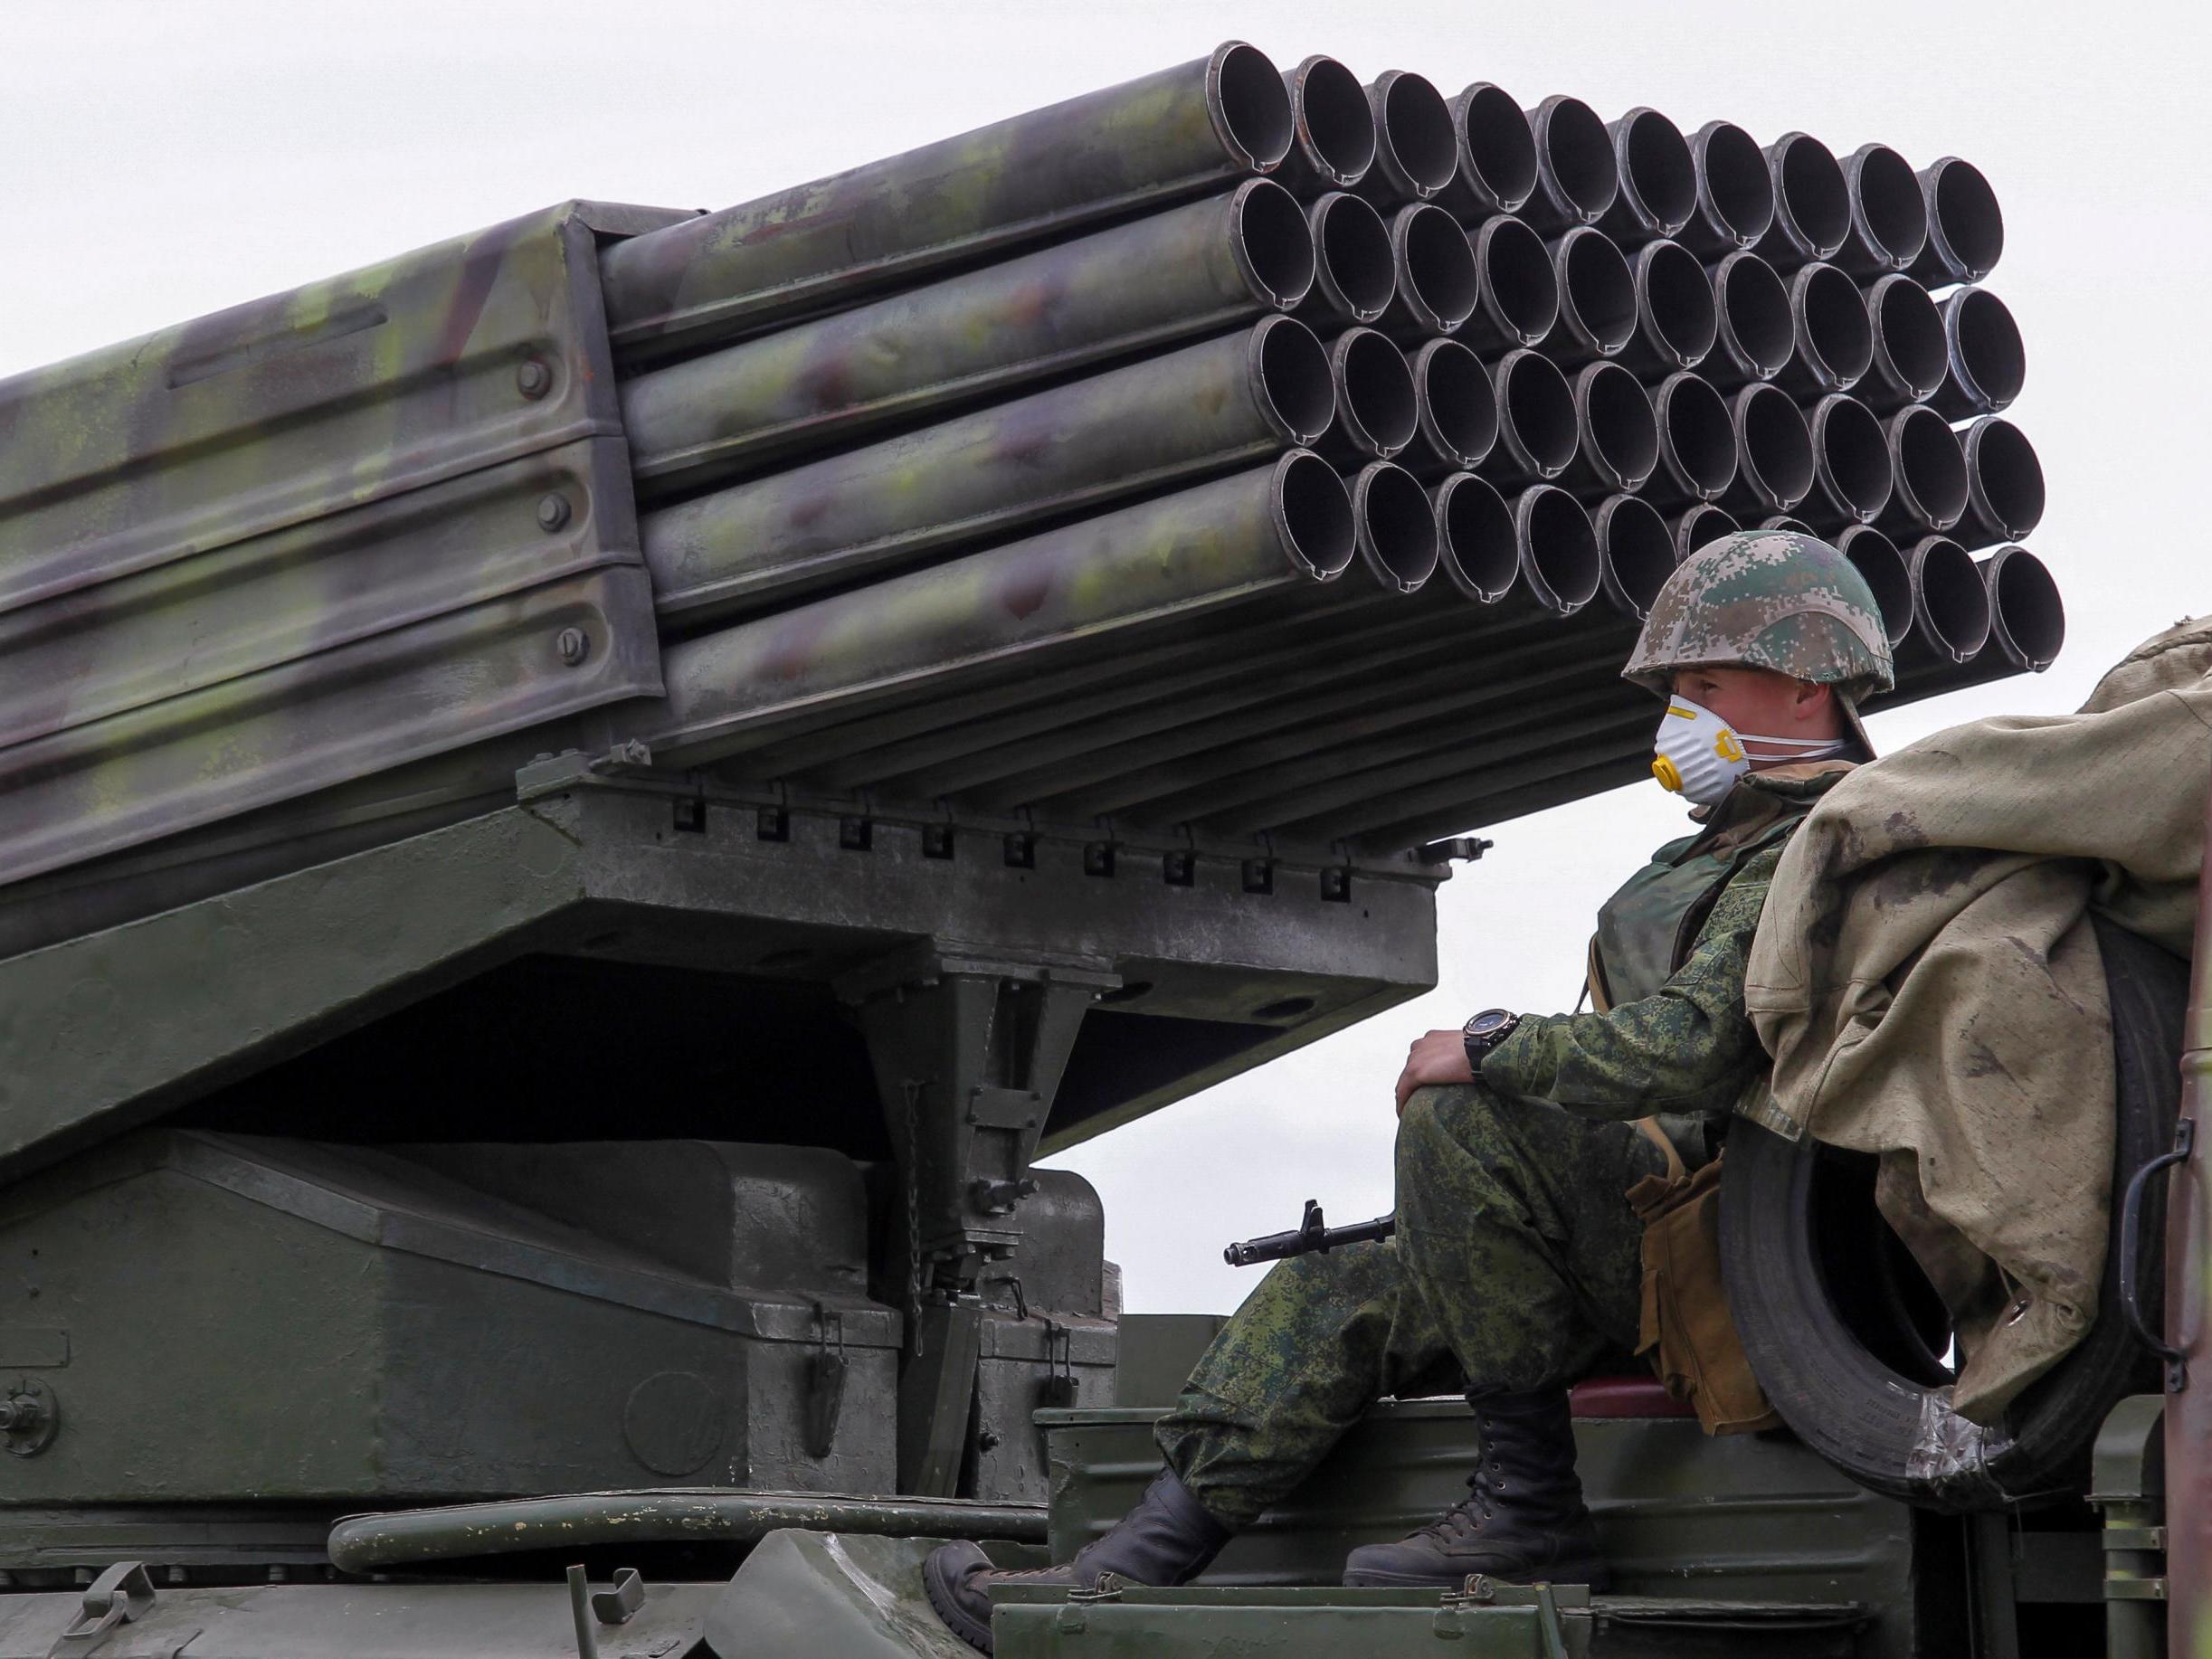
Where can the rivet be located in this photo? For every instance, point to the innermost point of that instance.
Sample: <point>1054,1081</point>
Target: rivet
<point>552,511</point>
<point>533,379</point>
<point>573,644</point>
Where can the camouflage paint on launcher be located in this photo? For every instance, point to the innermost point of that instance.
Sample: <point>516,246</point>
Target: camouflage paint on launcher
<point>1076,448</point>
<point>1148,142</point>
<point>1251,532</point>
<point>314,536</point>
<point>1149,283</point>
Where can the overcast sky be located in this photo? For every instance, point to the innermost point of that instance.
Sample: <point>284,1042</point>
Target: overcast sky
<point>166,159</point>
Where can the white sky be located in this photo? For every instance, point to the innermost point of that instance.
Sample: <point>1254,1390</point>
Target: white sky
<point>166,159</point>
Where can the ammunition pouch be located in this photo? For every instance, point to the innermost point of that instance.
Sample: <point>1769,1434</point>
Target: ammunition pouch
<point>1684,1326</point>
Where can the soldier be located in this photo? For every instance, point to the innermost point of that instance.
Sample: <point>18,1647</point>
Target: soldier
<point>1516,1265</point>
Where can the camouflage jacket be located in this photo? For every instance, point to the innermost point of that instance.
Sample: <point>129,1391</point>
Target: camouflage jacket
<point>1685,1053</point>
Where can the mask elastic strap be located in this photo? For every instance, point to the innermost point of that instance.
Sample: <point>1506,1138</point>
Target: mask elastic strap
<point>1823,744</point>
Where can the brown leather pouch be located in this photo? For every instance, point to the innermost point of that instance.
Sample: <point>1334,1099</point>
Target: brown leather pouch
<point>1684,1327</point>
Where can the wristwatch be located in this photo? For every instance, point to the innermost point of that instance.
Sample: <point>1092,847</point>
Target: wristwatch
<point>1485,1032</point>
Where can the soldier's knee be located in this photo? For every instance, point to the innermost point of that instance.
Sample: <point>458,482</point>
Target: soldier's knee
<point>1440,1126</point>
<point>1449,1110</point>
<point>1416,1119</point>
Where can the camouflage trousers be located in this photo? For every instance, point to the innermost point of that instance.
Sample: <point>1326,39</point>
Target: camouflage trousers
<point>1517,1265</point>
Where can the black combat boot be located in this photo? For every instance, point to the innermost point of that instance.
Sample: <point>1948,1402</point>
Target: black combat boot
<point>1167,1539</point>
<point>1523,1519</point>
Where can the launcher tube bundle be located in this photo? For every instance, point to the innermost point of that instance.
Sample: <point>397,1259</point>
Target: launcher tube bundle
<point>1245,454</point>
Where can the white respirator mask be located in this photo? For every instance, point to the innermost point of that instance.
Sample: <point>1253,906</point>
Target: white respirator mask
<point>1700,755</point>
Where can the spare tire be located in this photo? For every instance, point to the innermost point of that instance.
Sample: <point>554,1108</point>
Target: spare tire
<point>1847,1337</point>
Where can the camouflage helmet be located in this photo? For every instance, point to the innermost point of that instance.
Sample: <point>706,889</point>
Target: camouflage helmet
<point>1767,598</point>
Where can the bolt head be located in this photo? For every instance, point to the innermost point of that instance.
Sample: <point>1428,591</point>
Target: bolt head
<point>573,644</point>
<point>533,379</point>
<point>551,510</point>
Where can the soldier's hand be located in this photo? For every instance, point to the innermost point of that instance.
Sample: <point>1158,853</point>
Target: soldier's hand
<point>1440,1057</point>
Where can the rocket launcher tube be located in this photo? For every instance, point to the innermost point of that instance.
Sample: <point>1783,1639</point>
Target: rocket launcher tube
<point>1753,335</point>
<point>1415,154</point>
<point>1270,778</point>
<point>1736,192</point>
<point>1142,285</point>
<point>1268,528</point>
<point>1354,272</point>
<point>1965,228</point>
<point>1497,154</point>
<point>2027,620</point>
<point>866,512</point>
<point>814,247</point>
<point>1876,557</point>
<point>1332,143</point>
<point>1951,603</point>
<point>1910,350</point>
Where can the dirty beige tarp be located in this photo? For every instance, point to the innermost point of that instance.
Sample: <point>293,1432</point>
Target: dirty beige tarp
<point>1928,984</point>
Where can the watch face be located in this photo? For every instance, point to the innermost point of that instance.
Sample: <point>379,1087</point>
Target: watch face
<point>1490,1019</point>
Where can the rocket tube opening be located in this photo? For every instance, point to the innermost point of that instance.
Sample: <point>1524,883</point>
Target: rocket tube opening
<point>1535,413</point>
<point>1636,552</point>
<point>1987,359</point>
<point>1752,308</point>
<point>1875,557</point>
<point>1931,467</point>
<point>1374,393</point>
<point>1910,351</point>
<point>1498,152</point>
<point>1559,548</point>
<point>1520,289</point>
<point>1697,437</point>
<point>1657,178</point>
<point>1251,107</point>
<point>1851,457</point>
<point>1888,209</point>
<point>1436,275</point>
<point>1702,525</point>
<point>1950,607</point>
<point>1456,406</point>
<point>1291,369</point>
<point>1414,129</point>
<point>1674,301</point>
<point>1736,190</point>
<point>1394,526</point>
<point>1774,449</point>
<point>2026,616</point>
<point>1596,291</point>
<point>1965,228</point>
<point>1783,521</point>
<point>1812,204</point>
<point>1835,337</point>
<point>2004,480</point>
<point>1333,118</point>
<point>1274,247</point>
<point>1313,514</point>
<point>1354,268</point>
<point>1619,435</point>
<point>1574,154</point>
<point>1476,546</point>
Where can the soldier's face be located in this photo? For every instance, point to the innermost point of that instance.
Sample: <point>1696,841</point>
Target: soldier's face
<point>1759,702</point>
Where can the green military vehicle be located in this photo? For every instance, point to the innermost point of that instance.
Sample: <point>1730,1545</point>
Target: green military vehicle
<point>579,807</point>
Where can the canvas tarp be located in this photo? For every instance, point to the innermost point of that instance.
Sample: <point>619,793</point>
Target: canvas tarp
<point>1927,981</point>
